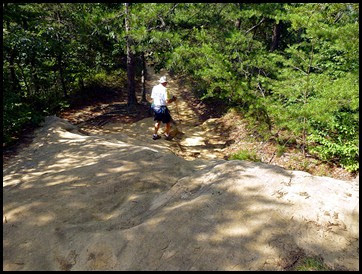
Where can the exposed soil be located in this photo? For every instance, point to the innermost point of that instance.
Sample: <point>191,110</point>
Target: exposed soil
<point>103,195</point>
<point>109,106</point>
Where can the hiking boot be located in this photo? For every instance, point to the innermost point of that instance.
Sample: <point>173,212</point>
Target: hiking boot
<point>155,136</point>
<point>168,137</point>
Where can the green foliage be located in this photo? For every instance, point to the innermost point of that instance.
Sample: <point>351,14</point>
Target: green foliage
<point>51,50</point>
<point>307,83</point>
<point>16,115</point>
<point>338,140</point>
<point>311,264</point>
<point>317,82</point>
<point>245,155</point>
<point>115,79</point>
<point>280,150</point>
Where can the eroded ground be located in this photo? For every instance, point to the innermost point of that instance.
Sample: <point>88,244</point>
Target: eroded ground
<point>104,196</point>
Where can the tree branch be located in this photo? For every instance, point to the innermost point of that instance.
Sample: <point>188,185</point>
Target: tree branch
<point>300,70</point>
<point>261,21</point>
<point>261,89</point>
<point>163,24</point>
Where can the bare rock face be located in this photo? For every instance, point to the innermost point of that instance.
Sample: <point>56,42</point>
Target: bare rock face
<point>78,202</point>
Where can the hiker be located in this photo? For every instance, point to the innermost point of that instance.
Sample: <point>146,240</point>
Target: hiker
<point>160,99</point>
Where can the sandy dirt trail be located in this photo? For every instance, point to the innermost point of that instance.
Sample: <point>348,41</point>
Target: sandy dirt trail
<point>115,199</point>
<point>193,139</point>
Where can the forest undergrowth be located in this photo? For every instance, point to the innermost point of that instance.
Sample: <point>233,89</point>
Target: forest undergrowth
<point>287,72</point>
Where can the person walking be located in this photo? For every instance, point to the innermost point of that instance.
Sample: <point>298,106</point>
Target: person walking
<point>160,99</point>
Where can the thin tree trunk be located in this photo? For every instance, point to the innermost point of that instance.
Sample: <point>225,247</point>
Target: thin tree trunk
<point>143,77</point>
<point>305,95</point>
<point>24,77</point>
<point>60,56</point>
<point>276,36</point>
<point>14,80</point>
<point>304,136</point>
<point>34,76</point>
<point>61,75</point>
<point>238,21</point>
<point>81,83</point>
<point>132,100</point>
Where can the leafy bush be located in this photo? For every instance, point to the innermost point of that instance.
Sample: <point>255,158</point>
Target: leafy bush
<point>115,79</point>
<point>280,150</point>
<point>16,115</point>
<point>337,141</point>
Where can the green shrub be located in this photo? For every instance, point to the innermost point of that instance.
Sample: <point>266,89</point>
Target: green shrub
<point>245,155</point>
<point>115,79</point>
<point>16,115</point>
<point>280,150</point>
<point>338,141</point>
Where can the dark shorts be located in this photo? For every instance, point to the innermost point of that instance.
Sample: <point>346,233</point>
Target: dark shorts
<point>162,114</point>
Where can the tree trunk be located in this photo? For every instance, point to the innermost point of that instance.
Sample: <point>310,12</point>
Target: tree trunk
<point>304,145</point>
<point>132,100</point>
<point>238,21</point>
<point>61,75</point>
<point>34,76</point>
<point>24,77</point>
<point>14,80</point>
<point>143,77</point>
<point>276,36</point>
<point>81,83</point>
<point>60,57</point>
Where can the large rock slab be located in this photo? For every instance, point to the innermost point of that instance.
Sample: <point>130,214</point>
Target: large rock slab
<point>78,202</point>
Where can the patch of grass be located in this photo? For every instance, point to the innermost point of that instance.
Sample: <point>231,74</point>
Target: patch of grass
<point>280,150</point>
<point>322,170</point>
<point>245,155</point>
<point>304,165</point>
<point>311,264</point>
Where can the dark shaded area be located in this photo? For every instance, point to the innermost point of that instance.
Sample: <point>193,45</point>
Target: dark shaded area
<point>94,95</point>
<point>205,109</point>
<point>119,113</point>
<point>95,105</point>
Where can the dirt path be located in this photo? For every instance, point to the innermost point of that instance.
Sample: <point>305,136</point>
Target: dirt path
<point>196,135</point>
<point>114,199</point>
<point>193,139</point>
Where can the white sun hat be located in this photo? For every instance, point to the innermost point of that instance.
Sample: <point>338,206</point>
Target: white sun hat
<point>163,79</point>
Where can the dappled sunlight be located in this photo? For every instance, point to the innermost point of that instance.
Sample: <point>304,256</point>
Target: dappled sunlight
<point>178,205</point>
<point>119,200</point>
<point>15,212</point>
<point>69,138</point>
<point>133,197</point>
<point>64,162</point>
<point>193,141</point>
<point>9,181</point>
<point>91,188</point>
<point>44,219</point>
<point>121,168</point>
<point>153,222</point>
<point>235,230</point>
<point>59,180</point>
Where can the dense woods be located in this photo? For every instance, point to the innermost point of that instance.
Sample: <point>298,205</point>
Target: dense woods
<point>290,69</point>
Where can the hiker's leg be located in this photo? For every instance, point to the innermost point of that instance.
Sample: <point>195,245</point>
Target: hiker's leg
<point>168,127</point>
<point>157,126</point>
<point>167,120</point>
